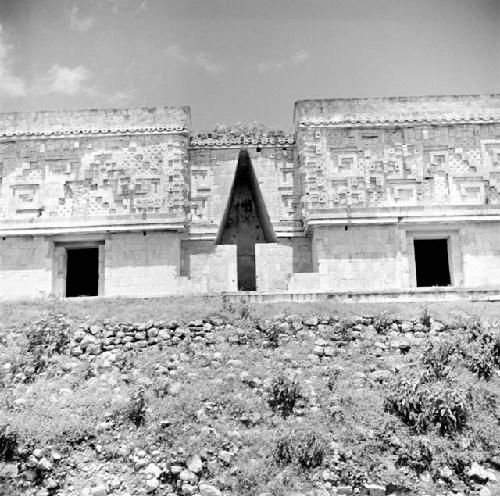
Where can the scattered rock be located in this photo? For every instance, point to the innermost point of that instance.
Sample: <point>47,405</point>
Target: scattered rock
<point>480,474</point>
<point>51,483</point>
<point>195,464</point>
<point>495,461</point>
<point>225,456</point>
<point>8,471</point>
<point>153,470</point>
<point>152,485</point>
<point>100,490</point>
<point>188,476</point>
<point>208,490</point>
<point>44,464</point>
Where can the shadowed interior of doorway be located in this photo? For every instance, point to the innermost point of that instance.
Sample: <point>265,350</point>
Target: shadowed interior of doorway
<point>82,274</point>
<point>245,221</point>
<point>431,261</point>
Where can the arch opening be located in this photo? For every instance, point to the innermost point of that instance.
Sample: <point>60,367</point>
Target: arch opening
<point>245,221</point>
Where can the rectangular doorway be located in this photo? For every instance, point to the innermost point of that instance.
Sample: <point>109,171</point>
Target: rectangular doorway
<point>82,272</point>
<point>432,262</point>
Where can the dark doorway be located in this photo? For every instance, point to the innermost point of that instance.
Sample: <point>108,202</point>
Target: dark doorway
<point>245,221</point>
<point>82,272</point>
<point>431,262</point>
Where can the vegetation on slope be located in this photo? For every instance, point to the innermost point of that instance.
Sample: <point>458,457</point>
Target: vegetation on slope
<point>233,400</point>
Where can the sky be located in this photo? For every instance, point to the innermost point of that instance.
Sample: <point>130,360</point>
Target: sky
<point>241,60</point>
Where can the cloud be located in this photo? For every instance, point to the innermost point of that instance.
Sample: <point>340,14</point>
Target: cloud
<point>201,60</point>
<point>128,6</point>
<point>10,83</point>
<point>77,23</point>
<point>204,61</point>
<point>66,80</point>
<point>77,81</point>
<point>120,96</point>
<point>176,53</point>
<point>115,4</point>
<point>297,58</point>
<point>59,79</point>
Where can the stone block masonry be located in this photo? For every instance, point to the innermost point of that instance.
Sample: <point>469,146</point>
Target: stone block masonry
<point>339,204</point>
<point>25,266</point>
<point>146,263</point>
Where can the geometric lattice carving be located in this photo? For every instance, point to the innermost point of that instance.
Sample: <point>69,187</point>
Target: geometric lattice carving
<point>425,165</point>
<point>212,169</point>
<point>95,177</point>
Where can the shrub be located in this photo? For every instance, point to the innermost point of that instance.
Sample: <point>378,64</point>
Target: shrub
<point>496,349</point>
<point>160,387</point>
<point>333,377</point>
<point>425,318</point>
<point>426,454</point>
<point>344,330</point>
<point>8,444</point>
<point>310,450</point>
<point>283,450</point>
<point>478,350</point>
<point>304,447</point>
<point>44,338</point>
<point>449,406</point>
<point>454,457</point>
<point>136,409</point>
<point>251,475</point>
<point>226,306</point>
<point>49,334</point>
<point>421,402</point>
<point>405,401</point>
<point>272,334</point>
<point>382,322</point>
<point>479,359</point>
<point>244,310</point>
<point>284,395</point>
<point>416,454</point>
<point>485,424</point>
<point>472,325</point>
<point>438,357</point>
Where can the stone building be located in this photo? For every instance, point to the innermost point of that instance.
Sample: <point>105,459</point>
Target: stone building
<point>366,195</point>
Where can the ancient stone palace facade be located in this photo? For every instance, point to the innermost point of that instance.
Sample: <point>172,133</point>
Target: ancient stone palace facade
<point>364,195</point>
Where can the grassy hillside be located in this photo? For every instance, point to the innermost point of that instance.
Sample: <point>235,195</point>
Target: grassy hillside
<point>203,396</point>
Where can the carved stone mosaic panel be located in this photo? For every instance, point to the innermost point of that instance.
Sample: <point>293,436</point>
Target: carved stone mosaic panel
<point>399,166</point>
<point>90,177</point>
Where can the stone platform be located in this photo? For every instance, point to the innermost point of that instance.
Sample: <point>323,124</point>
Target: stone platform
<point>420,295</point>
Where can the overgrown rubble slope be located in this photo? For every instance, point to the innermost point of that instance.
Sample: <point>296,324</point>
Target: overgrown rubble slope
<point>207,397</point>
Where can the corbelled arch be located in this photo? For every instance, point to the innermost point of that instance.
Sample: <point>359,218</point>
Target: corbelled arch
<point>245,221</point>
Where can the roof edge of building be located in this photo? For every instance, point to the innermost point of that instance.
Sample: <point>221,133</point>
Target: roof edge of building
<point>96,121</point>
<point>373,110</point>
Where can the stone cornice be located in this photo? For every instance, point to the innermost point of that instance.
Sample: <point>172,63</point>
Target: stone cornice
<point>124,121</point>
<point>401,111</point>
<point>75,133</point>
<point>376,121</point>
